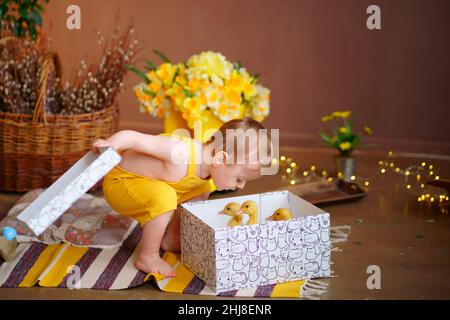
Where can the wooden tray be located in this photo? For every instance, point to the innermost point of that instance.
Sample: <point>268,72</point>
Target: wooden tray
<point>321,193</point>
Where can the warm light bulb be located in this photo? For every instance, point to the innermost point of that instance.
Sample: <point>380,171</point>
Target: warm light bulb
<point>282,158</point>
<point>274,161</point>
<point>407,173</point>
<point>408,186</point>
<point>293,164</point>
<point>288,170</point>
<point>431,173</point>
<point>391,164</point>
<point>305,173</point>
<point>418,177</point>
<point>397,170</point>
<point>313,168</point>
<point>422,185</point>
<point>430,167</point>
<point>352,178</point>
<point>366,183</point>
<point>432,199</point>
<point>423,164</point>
<point>292,182</point>
<point>330,179</point>
<point>383,170</point>
<point>390,153</point>
<point>340,174</point>
<point>436,178</point>
<point>324,173</point>
<point>419,199</point>
<point>380,162</point>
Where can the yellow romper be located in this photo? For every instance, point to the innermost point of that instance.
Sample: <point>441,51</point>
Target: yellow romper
<point>144,198</point>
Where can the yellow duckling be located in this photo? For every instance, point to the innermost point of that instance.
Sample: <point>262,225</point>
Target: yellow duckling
<point>232,210</point>
<point>281,214</point>
<point>250,208</point>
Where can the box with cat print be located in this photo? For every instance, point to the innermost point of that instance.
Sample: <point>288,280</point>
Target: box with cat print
<point>254,240</point>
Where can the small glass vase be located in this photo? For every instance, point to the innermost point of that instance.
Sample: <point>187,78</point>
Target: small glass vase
<point>345,165</point>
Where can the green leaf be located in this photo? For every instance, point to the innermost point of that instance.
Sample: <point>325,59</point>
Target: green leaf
<point>150,93</point>
<point>238,66</point>
<point>326,138</point>
<point>139,73</point>
<point>161,55</point>
<point>150,65</point>
<point>186,91</point>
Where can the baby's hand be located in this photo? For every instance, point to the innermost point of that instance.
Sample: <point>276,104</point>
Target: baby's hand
<point>100,143</point>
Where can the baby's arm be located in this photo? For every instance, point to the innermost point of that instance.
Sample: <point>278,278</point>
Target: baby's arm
<point>160,147</point>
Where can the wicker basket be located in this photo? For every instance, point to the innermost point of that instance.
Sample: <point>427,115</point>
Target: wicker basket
<point>35,150</point>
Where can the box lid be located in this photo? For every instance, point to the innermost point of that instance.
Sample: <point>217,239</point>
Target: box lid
<point>57,198</point>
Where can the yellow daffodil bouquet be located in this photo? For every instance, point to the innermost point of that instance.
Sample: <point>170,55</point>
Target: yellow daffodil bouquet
<point>206,82</point>
<point>343,138</point>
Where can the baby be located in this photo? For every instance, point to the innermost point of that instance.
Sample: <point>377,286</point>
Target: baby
<point>157,173</point>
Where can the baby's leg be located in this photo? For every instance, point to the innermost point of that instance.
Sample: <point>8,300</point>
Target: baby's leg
<point>171,239</point>
<point>148,259</point>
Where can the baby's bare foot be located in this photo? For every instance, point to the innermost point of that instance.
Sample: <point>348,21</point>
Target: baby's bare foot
<point>154,264</point>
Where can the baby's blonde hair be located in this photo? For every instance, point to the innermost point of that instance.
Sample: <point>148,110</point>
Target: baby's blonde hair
<point>244,125</point>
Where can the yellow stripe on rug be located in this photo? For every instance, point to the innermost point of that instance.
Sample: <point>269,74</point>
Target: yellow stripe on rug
<point>46,256</point>
<point>181,281</point>
<point>63,265</point>
<point>288,289</point>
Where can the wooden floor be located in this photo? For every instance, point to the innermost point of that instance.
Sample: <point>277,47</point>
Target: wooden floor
<point>409,242</point>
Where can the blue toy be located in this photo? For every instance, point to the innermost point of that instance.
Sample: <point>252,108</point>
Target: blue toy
<point>9,233</point>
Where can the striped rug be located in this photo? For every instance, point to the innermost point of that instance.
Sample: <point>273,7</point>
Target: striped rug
<point>63,265</point>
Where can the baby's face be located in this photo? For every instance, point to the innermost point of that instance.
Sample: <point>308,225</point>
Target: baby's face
<point>232,177</point>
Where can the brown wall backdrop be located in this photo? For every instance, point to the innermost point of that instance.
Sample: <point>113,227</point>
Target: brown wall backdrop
<point>316,56</point>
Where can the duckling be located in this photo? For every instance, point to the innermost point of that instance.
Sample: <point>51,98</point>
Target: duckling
<point>281,214</point>
<point>250,208</point>
<point>232,209</point>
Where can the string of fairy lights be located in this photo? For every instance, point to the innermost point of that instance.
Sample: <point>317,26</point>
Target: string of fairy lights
<point>415,177</point>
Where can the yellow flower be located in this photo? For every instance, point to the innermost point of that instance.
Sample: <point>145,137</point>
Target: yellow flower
<point>235,80</point>
<point>232,95</point>
<point>166,73</point>
<point>213,97</point>
<point>344,130</point>
<point>194,84</point>
<point>345,146</point>
<point>368,130</point>
<point>341,114</point>
<point>208,64</point>
<point>249,90</point>
<point>154,86</point>
<point>192,104</point>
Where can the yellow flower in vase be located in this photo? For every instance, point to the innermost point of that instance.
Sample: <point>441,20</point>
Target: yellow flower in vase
<point>166,72</point>
<point>213,97</point>
<point>344,130</point>
<point>341,114</point>
<point>232,95</point>
<point>209,64</point>
<point>344,146</point>
<point>249,90</point>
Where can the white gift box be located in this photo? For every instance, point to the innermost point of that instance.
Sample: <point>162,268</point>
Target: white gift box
<point>57,198</point>
<point>231,258</point>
